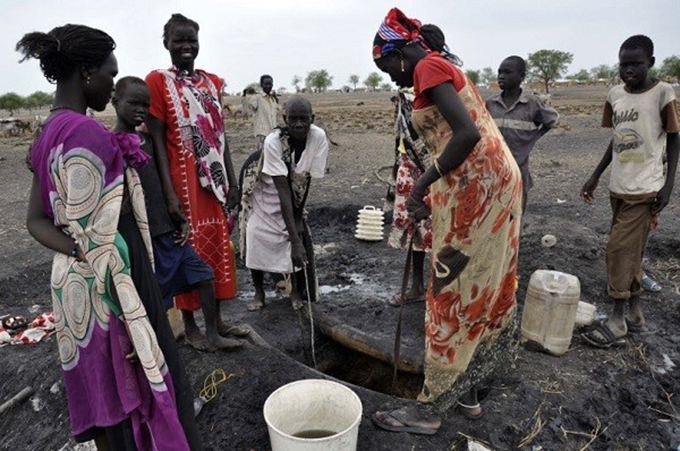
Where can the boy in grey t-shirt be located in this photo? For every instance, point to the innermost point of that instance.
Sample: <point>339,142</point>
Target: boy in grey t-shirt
<point>643,116</point>
<point>521,117</point>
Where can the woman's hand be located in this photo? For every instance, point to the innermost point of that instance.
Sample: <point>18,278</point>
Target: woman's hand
<point>233,198</point>
<point>298,254</point>
<point>416,207</point>
<point>176,213</point>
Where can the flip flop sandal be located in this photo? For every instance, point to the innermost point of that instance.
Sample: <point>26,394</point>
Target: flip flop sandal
<point>637,329</point>
<point>397,300</point>
<point>650,285</point>
<point>465,410</point>
<point>604,340</point>
<point>14,323</point>
<point>407,422</point>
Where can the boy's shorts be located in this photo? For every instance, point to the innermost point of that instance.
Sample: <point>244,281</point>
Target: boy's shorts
<point>178,268</point>
<point>630,227</point>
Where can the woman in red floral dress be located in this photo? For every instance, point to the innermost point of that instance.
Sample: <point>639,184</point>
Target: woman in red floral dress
<point>412,160</point>
<point>475,192</point>
<point>194,163</point>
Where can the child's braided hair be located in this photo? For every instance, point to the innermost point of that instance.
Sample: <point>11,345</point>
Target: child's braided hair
<point>61,50</point>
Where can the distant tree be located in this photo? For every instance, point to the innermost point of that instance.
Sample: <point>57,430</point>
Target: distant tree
<point>604,72</point>
<point>11,102</point>
<point>473,75</point>
<point>30,103</point>
<point>296,82</point>
<point>386,87</point>
<point>373,80</point>
<point>487,76</point>
<point>318,80</point>
<point>549,65</point>
<point>354,80</point>
<point>671,67</point>
<point>41,99</point>
<point>254,86</point>
<point>583,76</point>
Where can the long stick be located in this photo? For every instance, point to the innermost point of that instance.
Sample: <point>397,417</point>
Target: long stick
<point>16,399</point>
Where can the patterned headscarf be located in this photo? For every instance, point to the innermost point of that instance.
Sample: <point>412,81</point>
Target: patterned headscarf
<point>395,32</point>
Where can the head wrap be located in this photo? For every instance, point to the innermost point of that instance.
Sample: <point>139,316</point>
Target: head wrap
<point>395,32</point>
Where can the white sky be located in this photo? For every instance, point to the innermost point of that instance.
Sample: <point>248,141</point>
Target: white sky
<point>240,40</point>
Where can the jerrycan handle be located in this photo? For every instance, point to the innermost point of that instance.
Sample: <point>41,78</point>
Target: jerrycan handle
<point>551,284</point>
<point>368,207</point>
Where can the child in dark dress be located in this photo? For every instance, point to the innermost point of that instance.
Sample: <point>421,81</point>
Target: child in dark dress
<point>178,267</point>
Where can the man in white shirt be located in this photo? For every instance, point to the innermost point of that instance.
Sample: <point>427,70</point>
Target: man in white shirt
<point>275,186</point>
<point>264,106</point>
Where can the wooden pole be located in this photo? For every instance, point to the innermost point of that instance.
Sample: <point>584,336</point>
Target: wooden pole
<point>16,399</point>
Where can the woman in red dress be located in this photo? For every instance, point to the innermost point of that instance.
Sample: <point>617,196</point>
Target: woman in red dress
<point>185,122</point>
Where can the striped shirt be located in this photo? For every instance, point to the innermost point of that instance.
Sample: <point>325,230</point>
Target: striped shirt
<point>521,125</point>
<point>264,109</point>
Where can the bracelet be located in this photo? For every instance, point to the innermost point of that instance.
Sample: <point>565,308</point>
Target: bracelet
<point>74,252</point>
<point>439,170</point>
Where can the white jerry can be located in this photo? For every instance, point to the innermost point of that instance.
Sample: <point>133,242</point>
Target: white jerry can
<point>550,310</point>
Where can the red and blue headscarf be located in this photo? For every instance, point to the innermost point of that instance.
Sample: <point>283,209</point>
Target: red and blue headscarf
<point>395,32</point>
<point>398,31</point>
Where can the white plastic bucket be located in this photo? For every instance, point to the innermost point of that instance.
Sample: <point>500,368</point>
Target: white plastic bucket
<point>313,405</point>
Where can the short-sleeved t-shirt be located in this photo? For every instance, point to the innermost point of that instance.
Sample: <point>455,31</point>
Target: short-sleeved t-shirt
<point>521,124</point>
<point>431,71</point>
<point>312,161</point>
<point>640,121</point>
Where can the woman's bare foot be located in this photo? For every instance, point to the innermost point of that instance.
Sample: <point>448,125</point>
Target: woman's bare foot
<point>296,301</point>
<point>196,339</point>
<point>413,295</point>
<point>216,342</point>
<point>257,303</point>
<point>468,405</point>
<point>225,329</point>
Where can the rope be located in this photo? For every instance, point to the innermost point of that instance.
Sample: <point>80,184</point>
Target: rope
<point>209,390</point>
<point>379,177</point>
<point>311,317</point>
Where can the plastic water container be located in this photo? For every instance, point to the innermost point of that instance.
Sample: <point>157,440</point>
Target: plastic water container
<point>313,408</point>
<point>585,314</point>
<point>550,310</point>
<point>370,224</point>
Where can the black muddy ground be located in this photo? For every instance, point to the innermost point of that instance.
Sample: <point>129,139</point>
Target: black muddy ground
<point>620,399</point>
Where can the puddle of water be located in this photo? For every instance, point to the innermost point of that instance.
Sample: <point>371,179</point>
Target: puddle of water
<point>270,295</point>
<point>328,289</point>
<point>358,283</point>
